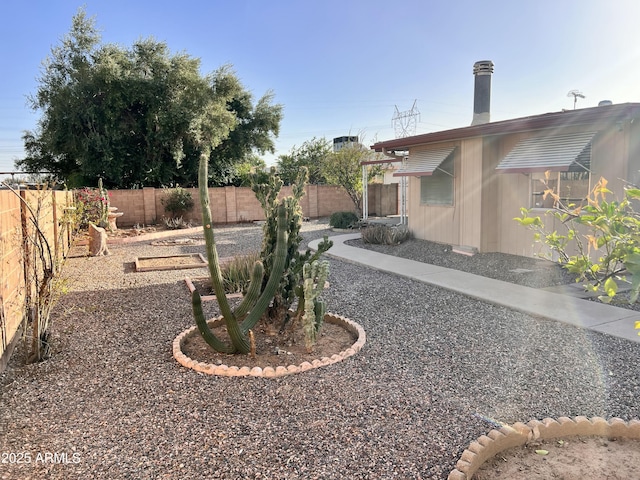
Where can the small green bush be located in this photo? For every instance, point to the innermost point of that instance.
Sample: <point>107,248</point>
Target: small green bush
<point>384,234</point>
<point>177,201</point>
<point>343,219</point>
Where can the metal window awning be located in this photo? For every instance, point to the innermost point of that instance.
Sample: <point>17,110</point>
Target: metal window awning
<point>424,163</point>
<point>555,153</point>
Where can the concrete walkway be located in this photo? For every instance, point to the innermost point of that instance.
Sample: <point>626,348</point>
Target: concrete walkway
<point>616,321</point>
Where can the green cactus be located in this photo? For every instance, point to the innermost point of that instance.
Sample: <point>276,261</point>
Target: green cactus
<point>278,313</point>
<point>259,293</point>
<point>105,203</point>
<point>315,276</point>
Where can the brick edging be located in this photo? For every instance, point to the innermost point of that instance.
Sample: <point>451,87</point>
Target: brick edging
<point>518,434</point>
<point>271,372</point>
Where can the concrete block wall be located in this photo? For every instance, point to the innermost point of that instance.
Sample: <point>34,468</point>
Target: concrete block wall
<point>239,204</point>
<point>332,199</point>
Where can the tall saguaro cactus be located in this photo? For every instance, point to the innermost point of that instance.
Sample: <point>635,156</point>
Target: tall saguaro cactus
<point>259,293</point>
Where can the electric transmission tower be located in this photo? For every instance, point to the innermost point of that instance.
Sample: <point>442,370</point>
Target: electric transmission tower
<point>405,123</point>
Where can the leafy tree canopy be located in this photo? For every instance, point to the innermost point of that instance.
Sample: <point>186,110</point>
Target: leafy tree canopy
<point>310,154</point>
<point>343,168</point>
<point>141,116</point>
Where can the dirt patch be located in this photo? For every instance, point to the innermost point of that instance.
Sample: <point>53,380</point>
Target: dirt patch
<point>570,458</point>
<point>272,350</point>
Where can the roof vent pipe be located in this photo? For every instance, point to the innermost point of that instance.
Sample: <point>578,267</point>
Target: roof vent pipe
<point>482,70</point>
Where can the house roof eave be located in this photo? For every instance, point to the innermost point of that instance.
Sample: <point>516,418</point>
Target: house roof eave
<point>566,118</point>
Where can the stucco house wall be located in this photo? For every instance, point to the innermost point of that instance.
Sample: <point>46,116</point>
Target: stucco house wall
<point>486,200</point>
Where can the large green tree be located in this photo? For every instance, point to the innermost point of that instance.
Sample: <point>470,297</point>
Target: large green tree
<point>140,116</point>
<point>343,168</point>
<point>311,154</point>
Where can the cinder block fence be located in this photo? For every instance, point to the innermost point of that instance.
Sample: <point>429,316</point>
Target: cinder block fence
<point>239,204</point>
<point>144,207</point>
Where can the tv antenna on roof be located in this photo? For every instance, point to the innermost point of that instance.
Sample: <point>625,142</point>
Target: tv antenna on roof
<point>405,123</point>
<point>575,94</point>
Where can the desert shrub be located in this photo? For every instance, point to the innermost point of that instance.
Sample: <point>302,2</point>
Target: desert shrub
<point>343,219</point>
<point>176,223</point>
<point>90,203</point>
<point>177,201</point>
<point>384,234</point>
<point>236,275</point>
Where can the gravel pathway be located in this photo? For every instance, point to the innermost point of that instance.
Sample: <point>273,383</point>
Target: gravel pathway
<point>438,370</point>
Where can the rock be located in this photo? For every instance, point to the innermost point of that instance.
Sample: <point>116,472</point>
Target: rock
<point>97,241</point>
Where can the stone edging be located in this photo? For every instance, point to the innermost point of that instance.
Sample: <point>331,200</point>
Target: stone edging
<point>518,434</point>
<point>179,232</point>
<point>271,372</point>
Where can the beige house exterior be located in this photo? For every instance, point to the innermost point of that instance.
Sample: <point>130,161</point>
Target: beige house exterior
<point>467,184</point>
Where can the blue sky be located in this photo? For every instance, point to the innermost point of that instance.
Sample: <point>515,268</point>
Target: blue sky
<point>342,66</point>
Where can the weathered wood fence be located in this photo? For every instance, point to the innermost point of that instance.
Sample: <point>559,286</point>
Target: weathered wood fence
<point>16,229</point>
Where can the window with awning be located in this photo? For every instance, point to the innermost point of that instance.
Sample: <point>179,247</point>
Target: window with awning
<point>424,163</point>
<point>554,153</point>
<point>561,163</point>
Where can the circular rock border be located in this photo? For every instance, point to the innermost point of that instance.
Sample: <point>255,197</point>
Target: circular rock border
<point>518,434</point>
<point>271,372</point>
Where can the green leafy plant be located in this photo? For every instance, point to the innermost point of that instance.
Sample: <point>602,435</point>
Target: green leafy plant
<point>177,201</point>
<point>385,234</point>
<point>344,168</point>
<point>600,240</point>
<point>343,219</point>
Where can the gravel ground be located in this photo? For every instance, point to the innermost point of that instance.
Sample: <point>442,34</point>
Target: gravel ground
<point>438,370</point>
<point>530,272</point>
